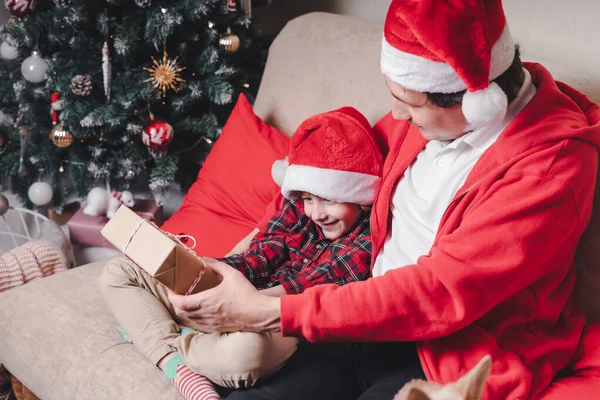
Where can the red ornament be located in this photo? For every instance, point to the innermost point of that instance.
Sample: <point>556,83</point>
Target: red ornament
<point>231,6</point>
<point>20,8</point>
<point>157,135</point>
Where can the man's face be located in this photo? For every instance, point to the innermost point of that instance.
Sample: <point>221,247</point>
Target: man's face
<point>434,123</point>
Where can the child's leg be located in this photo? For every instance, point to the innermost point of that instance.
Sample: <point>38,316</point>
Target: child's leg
<point>236,360</point>
<point>140,306</point>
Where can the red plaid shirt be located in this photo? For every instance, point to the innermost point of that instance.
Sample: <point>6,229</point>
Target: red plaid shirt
<point>292,251</point>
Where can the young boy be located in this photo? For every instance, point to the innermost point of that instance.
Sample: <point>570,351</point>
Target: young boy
<point>321,235</point>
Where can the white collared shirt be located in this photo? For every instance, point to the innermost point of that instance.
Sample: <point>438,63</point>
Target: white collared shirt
<point>431,182</point>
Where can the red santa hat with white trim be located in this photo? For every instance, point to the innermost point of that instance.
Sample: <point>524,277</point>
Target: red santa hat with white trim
<point>334,156</point>
<point>449,46</point>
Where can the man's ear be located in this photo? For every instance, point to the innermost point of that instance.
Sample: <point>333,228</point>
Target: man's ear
<point>471,385</point>
<point>417,394</point>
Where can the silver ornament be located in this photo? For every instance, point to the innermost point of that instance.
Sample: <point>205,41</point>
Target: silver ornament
<point>34,68</point>
<point>40,193</point>
<point>106,70</point>
<point>8,51</point>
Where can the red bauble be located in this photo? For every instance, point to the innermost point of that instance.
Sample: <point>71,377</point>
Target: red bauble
<point>20,8</point>
<point>157,135</point>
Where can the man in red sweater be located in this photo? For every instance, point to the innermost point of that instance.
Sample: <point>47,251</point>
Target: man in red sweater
<point>487,188</point>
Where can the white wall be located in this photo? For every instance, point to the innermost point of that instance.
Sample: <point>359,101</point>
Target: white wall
<point>275,16</point>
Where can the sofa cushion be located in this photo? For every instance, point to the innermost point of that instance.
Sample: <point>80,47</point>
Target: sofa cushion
<point>59,338</point>
<point>234,186</point>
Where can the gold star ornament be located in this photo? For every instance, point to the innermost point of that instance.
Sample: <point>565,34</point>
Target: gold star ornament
<point>165,74</point>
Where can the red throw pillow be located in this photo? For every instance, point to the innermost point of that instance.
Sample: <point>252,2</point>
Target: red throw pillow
<point>234,185</point>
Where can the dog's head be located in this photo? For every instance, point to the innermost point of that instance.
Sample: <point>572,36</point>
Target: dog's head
<point>469,387</point>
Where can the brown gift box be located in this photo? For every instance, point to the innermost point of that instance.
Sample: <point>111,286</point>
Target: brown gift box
<point>169,262</point>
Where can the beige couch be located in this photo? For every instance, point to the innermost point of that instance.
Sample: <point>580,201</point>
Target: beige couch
<point>57,336</point>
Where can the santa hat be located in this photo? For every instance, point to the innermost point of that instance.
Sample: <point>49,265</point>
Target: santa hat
<point>449,46</point>
<point>333,156</point>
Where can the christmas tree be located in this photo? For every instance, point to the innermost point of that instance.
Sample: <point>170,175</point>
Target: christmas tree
<point>117,92</point>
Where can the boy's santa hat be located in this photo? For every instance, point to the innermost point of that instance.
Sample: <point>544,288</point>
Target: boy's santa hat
<point>334,156</point>
<point>449,46</point>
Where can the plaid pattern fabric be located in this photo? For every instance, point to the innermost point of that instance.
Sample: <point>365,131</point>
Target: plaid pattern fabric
<point>293,252</point>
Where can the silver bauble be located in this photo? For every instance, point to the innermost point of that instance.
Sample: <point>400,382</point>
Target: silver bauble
<point>8,51</point>
<point>34,68</point>
<point>40,193</point>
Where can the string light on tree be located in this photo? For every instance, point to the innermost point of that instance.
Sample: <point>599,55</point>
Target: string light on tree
<point>165,74</point>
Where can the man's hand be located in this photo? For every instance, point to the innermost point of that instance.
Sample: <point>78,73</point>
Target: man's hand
<point>234,305</point>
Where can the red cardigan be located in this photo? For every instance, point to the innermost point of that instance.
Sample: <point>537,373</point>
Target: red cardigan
<point>499,277</point>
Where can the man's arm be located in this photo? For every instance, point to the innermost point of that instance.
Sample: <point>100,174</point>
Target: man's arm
<point>234,305</point>
<point>510,240</point>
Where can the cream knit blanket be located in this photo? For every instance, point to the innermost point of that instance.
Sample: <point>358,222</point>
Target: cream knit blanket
<point>33,260</point>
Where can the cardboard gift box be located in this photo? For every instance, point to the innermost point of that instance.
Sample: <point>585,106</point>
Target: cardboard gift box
<point>158,253</point>
<point>85,229</point>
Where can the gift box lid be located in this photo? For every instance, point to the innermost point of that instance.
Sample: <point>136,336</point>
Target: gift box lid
<point>140,240</point>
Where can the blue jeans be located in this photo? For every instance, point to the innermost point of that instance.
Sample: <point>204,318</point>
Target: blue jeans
<point>340,371</point>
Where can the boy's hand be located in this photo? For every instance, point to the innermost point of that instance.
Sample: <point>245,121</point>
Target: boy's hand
<point>234,305</point>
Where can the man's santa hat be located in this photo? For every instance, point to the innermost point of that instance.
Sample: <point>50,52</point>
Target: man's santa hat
<point>333,156</point>
<point>449,46</point>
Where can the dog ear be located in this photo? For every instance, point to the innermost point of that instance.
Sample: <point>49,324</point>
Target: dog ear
<point>417,394</point>
<point>471,385</point>
<point>413,391</point>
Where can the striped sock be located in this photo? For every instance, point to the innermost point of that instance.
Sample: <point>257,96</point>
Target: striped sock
<point>193,386</point>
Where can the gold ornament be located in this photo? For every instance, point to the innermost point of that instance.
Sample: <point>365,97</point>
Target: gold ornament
<point>229,41</point>
<point>165,74</point>
<point>60,136</point>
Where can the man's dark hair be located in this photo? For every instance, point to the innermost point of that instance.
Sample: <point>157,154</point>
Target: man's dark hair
<point>510,82</point>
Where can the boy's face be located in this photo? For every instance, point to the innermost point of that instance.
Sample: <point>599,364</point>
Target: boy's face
<point>334,219</point>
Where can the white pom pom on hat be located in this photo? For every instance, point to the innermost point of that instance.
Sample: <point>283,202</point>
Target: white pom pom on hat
<point>278,170</point>
<point>484,106</point>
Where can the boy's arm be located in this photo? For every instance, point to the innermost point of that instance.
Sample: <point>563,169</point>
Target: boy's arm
<point>244,244</point>
<point>268,249</point>
<point>275,291</point>
<point>273,208</point>
<point>350,264</point>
